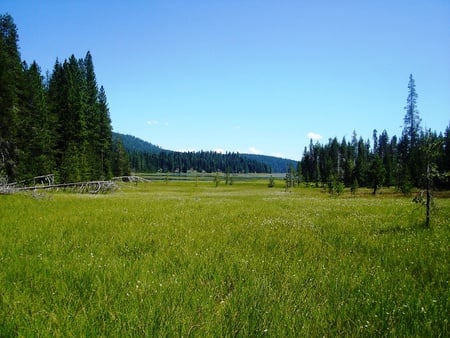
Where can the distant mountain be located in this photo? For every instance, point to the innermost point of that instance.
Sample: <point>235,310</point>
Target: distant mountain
<point>135,145</point>
<point>278,165</point>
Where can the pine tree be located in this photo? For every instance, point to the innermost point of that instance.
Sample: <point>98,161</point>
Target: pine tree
<point>445,158</point>
<point>120,162</point>
<point>36,137</point>
<point>430,147</point>
<point>411,130</point>
<point>92,117</point>
<point>10,79</point>
<point>104,135</point>
<point>376,173</point>
<point>362,162</point>
<point>66,98</point>
<point>410,166</point>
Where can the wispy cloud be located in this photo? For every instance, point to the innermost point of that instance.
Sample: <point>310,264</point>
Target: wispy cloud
<point>314,136</point>
<point>253,150</point>
<point>156,122</point>
<point>219,151</point>
<point>280,155</point>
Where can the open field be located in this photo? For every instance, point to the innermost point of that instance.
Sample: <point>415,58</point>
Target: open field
<point>191,259</point>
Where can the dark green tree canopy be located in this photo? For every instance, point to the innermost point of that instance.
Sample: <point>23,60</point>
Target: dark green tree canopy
<point>61,127</point>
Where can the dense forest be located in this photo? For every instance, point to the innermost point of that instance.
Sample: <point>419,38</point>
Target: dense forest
<point>182,162</point>
<point>404,162</point>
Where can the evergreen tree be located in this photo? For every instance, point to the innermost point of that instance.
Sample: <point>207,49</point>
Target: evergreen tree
<point>410,166</point>
<point>430,147</point>
<point>120,162</point>
<point>444,160</point>
<point>392,168</point>
<point>362,163</point>
<point>36,137</point>
<point>411,130</point>
<point>104,135</point>
<point>92,116</point>
<point>10,79</point>
<point>60,127</point>
<point>385,154</point>
<point>66,90</point>
<point>376,173</point>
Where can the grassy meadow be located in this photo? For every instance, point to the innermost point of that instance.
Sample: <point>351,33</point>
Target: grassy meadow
<point>191,259</point>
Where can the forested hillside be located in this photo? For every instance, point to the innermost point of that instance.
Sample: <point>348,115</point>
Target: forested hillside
<point>134,144</point>
<point>182,162</point>
<point>147,157</point>
<point>58,125</point>
<point>277,164</point>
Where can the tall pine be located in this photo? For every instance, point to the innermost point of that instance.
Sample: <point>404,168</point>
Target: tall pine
<point>105,146</point>
<point>65,94</point>
<point>410,161</point>
<point>36,133</point>
<point>92,118</point>
<point>10,80</point>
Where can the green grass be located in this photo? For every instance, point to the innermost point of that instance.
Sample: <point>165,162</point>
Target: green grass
<point>186,259</point>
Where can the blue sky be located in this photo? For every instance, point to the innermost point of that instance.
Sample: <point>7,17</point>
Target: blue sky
<point>250,76</point>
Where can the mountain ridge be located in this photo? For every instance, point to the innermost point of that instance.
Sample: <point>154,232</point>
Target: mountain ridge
<point>134,144</point>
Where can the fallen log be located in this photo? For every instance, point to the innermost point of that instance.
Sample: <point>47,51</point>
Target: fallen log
<point>92,187</point>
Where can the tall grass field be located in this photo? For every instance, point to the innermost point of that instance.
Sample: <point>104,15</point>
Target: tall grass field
<point>189,259</point>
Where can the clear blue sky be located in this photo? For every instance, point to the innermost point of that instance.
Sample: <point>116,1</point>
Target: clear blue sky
<point>250,76</point>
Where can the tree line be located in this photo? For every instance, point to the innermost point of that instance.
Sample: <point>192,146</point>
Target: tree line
<point>146,157</point>
<point>182,162</point>
<point>59,124</point>
<point>402,161</point>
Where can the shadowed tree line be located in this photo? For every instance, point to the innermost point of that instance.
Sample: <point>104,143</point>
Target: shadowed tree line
<point>182,162</point>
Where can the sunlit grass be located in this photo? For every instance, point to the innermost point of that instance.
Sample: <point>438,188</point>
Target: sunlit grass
<point>187,259</point>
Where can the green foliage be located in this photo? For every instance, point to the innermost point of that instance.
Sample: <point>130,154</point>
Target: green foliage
<point>60,127</point>
<point>228,178</point>
<point>271,182</point>
<point>185,260</point>
<point>10,87</point>
<point>335,186</point>
<point>377,173</point>
<point>120,164</point>
<point>290,178</point>
<point>216,179</point>
<point>83,118</point>
<point>354,186</point>
<point>183,162</point>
